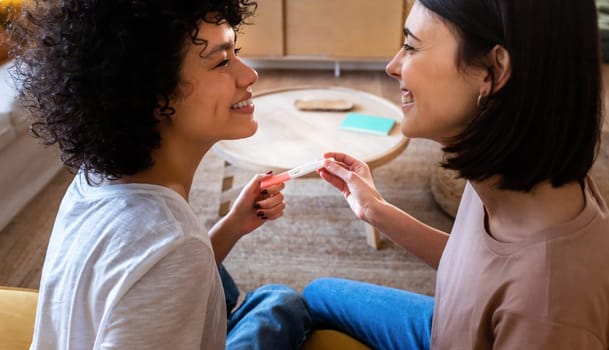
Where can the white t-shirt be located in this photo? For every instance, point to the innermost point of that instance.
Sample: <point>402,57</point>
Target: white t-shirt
<point>129,266</point>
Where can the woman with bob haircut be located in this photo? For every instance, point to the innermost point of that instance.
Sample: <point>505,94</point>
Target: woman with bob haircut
<point>135,92</point>
<point>511,89</point>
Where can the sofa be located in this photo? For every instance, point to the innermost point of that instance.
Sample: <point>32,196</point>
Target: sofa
<point>18,311</point>
<point>26,166</point>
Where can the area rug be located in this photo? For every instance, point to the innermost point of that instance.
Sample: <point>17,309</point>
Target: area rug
<point>319,235</point>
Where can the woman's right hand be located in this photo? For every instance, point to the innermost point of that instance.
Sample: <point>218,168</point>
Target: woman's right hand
<point>353,178</point>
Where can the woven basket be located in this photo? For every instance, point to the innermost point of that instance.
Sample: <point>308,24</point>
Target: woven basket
<point>447,189</point>
<point>600,170</point>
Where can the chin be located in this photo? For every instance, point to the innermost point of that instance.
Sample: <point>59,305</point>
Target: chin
<point>410,132</point>
<point>253,128</point>
<point>245,132</point>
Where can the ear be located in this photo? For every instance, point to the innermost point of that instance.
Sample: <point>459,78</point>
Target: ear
<point>499,62</point>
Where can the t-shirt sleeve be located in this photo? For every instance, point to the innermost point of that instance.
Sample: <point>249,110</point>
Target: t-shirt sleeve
<point>166,308</point>
<point>515,331</point>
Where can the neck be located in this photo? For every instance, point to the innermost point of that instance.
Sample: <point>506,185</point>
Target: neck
<point>174,167</point>
<point>513,215</point>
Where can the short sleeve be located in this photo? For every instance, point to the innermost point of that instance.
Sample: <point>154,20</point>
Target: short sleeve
<point>171,306</point>
<point>515,331</point>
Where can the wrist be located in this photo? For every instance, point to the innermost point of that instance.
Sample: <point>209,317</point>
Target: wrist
<point>226,228</point>
<point>376,212</point>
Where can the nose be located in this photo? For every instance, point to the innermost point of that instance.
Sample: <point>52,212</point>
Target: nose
<point>247,75</point>
<point>394,67</point>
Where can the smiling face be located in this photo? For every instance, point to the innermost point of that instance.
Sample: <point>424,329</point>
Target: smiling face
<point>438,99</point>
<point>214,99</point>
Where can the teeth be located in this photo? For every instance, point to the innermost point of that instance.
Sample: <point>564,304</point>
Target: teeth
<point>242,104</point>
<point>407,98</point>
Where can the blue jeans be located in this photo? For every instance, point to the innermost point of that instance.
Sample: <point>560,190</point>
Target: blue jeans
<point>381,317</point>
<point>270,317</point>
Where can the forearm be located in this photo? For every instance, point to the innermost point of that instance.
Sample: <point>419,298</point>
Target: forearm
<point>223,239</point>
<point>422,240</point>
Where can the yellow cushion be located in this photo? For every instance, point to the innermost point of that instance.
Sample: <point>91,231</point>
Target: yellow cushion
<point>17,315</point>
<point>328,339</point>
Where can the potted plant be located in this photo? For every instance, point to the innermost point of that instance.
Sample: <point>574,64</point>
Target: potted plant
<point>7,8</point>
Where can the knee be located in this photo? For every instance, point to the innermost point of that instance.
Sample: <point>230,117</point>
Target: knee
<point>277,296</point>
<point>320,287</point>
<point>277,291</point>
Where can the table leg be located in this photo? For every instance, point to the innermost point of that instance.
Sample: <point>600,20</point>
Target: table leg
<point>227,184</point>
<point>373,236</point>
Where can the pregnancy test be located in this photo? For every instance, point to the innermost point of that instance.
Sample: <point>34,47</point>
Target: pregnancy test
<point>292,174</point>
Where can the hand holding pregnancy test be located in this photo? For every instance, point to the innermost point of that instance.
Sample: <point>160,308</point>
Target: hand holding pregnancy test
<point>292,174</point>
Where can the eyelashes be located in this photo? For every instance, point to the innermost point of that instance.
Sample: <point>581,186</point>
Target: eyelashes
<point>408,48</point>
<point>225,62</point>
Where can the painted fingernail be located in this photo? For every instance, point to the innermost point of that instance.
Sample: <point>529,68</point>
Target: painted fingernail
<point>269,172</point>
<point>260,214</point>
<point>256,206</point>
<point>264,192</point>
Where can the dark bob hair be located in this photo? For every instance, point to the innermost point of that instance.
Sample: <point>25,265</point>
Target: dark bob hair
<point>93,73</point>
<point>544,124</point>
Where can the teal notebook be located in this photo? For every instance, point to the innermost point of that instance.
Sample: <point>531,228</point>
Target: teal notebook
<point>367,123</point>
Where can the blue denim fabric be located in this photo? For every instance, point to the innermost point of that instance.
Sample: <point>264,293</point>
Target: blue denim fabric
<point>381,317</point>
<point>271,317</point>
<point>231,291</point>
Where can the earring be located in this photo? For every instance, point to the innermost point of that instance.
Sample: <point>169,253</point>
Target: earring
<point>482,102</point>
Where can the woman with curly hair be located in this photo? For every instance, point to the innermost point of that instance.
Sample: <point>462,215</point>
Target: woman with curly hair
<point>135,93</point>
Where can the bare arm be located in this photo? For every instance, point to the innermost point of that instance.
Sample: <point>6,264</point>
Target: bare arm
<point>353,178</point>
<point>422,240</point>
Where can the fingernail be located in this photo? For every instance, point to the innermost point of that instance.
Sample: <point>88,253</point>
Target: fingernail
<point>256,206</point>
<point>269,172</point>
<point>264,192</point>
<point>260,214</point>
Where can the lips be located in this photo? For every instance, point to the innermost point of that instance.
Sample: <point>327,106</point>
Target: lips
<point>244,103</point>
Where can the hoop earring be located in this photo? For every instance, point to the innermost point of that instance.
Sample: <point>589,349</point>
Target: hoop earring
<point>482,102</point>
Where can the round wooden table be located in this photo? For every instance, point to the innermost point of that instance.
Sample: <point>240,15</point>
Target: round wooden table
<point>288,137</point>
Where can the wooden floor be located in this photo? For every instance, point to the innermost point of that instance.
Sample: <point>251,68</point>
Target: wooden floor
<point>23,242</point>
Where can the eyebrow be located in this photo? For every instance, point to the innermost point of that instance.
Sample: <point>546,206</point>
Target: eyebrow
<point>227,46</point>
<point>407,32</point>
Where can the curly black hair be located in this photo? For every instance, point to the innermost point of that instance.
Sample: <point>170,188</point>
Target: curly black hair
<point>93,73</point>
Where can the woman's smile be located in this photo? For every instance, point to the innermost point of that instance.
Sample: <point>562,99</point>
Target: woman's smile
<point>244,106</point>
<point>407,98</point>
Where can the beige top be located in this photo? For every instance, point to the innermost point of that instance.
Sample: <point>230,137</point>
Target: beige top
<point>551,292</point>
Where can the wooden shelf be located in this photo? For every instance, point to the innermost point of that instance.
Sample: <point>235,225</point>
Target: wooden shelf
<point>321,30</point>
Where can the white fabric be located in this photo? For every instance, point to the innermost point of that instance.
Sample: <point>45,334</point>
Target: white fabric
<point>129,266</point>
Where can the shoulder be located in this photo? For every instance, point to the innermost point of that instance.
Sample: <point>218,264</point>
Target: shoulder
<point>127,213</point>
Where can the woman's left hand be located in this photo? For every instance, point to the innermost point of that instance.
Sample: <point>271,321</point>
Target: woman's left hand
<point>253,207</point>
